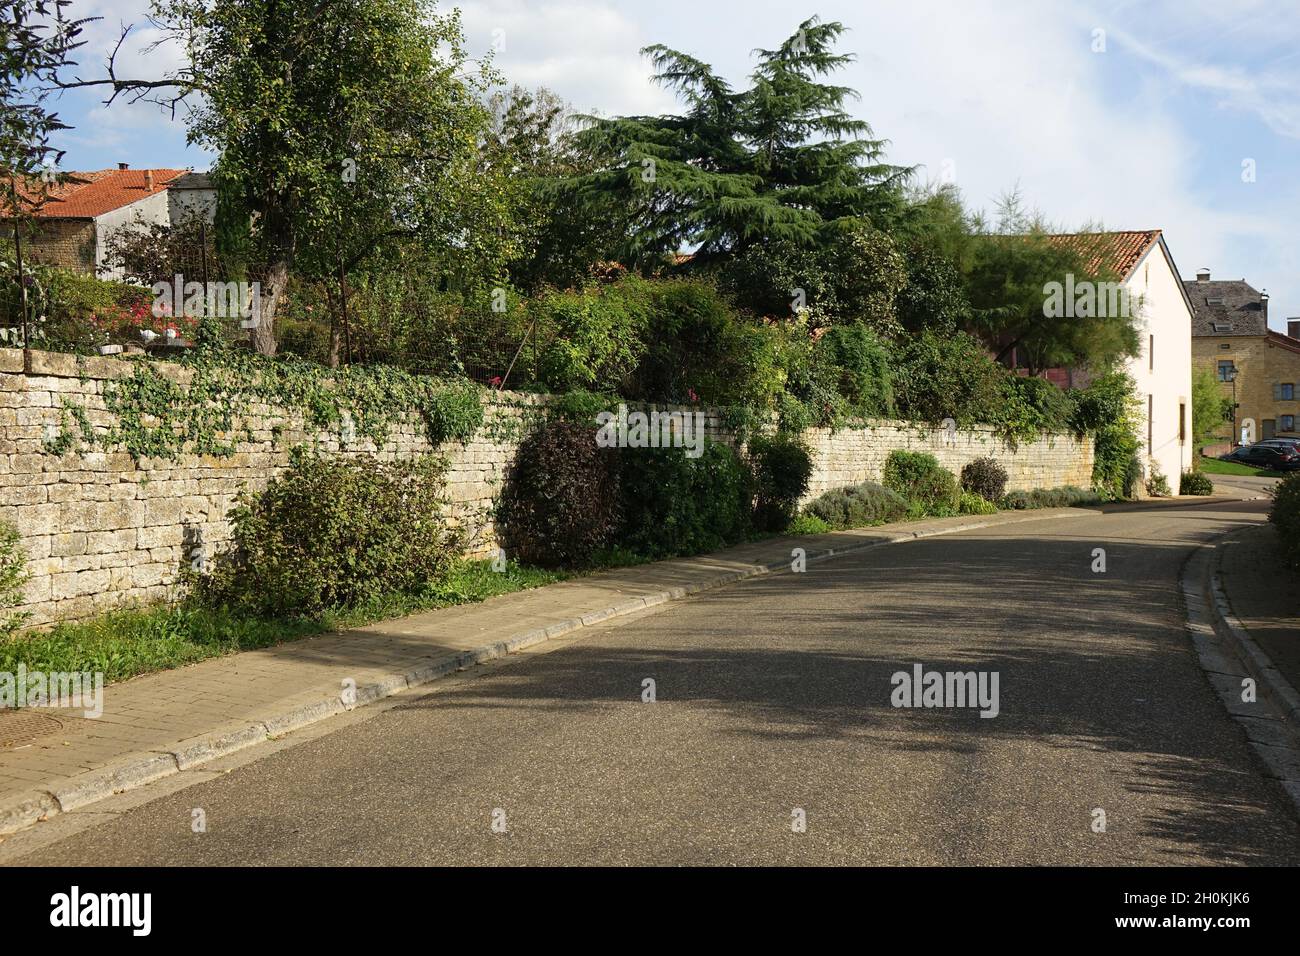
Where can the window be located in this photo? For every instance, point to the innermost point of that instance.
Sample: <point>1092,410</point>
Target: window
<point>1151,354</point>
<point>1151,411</point>
<point>1182,423</point>
<point>1288,423</point>
<point>1227,370</point>
<point>1224,347</point>
<point>1220,326</point>
<point>1285,392</point>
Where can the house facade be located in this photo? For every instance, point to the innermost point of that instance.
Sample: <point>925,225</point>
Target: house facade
<point>1250,361</point>
<point>1162,370</point>
<point>74,224</point>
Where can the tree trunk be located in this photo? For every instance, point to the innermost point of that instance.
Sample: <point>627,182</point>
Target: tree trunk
<point>277,277</point>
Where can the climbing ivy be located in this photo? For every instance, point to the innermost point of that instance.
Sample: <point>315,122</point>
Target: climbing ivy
<point>209,408</point>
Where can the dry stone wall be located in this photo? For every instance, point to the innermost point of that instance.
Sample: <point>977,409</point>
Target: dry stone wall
<point>102,530</point>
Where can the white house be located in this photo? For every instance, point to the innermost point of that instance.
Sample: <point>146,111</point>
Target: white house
<point>1163,368</point>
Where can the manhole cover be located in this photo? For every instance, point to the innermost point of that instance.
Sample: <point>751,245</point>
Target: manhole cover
<point>23,726</point>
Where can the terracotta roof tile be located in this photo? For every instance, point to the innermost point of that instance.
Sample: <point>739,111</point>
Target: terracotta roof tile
<point>89,194</point>
<point>1115,252</point>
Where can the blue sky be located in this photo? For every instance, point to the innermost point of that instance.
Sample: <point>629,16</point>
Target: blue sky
<point>1144,125</point>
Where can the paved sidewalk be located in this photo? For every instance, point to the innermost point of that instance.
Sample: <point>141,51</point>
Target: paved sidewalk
<point>1265,596</point>
<point>158,724</point>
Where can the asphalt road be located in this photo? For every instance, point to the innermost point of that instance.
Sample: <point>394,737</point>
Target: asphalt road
<point>774,696</point>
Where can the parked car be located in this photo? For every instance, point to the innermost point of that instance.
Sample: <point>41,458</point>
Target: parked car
<point>1281,443</point>
<point>1260,455</point>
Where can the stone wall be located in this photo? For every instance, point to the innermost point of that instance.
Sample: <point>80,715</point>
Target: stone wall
<point>854,455</point>
<point>66,243</point>
<point>102,530</point>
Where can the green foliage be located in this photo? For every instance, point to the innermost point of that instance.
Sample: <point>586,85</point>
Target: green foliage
<point>781,467</point>
<point>124,644</point>
<point>1067,496</point>
<point>1108,409</point>
<point>595,335</point>
<point>158,415</point>
<point>940,377</point>
<point>1157,483</point>
<point>13,576</point>
<point>973,504</point>
<point>1195,483</point>
<point>861,367</point>
<point>858,506</point>
<point>1284,513</point>
<point>1031,406</point>
<point>923,482</point>
<point>560,503</point>
<point>333,533</point>
<point>700,350</point>
<point>340,129</point>
<point>778,161</point>
<point>806,523</point>
<point>675,505</point>
<point>984,477</point>
<point>1211,408</point>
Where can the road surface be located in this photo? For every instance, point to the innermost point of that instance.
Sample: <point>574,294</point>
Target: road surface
<point>773,706</point>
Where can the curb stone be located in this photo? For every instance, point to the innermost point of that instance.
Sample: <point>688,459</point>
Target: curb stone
<point>1227,654</point>
<point>136,770</point>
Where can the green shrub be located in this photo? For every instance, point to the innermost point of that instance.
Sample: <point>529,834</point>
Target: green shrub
<point>594,337</point>
<point>919,478</point>
<point>1108,410</point>
<point>1195,483</point>
<point>1030,406</point>
<point>807,524</point>
<point>13,575</point>
<point>948,376</point>
<point>1157,483</point>
<point>332,533</point>
<point>1067,496</point>
<point>973,504</point>
<point>700,350</point>
<point>1284,513</point>
<point>675,505</point>
<point>781,468</point>
<point>859,364</point>
<point>858,506</point>
<point>559,505</point>
<point>985,477</point>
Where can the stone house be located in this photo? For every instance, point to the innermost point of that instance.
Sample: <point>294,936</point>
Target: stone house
<point>73,226</point>
<point>1230,336</point>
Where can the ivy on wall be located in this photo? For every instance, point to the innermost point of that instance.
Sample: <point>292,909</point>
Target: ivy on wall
<point>158,416</point>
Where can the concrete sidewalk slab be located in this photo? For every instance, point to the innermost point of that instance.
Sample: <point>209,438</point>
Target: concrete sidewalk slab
<point>160,724</point>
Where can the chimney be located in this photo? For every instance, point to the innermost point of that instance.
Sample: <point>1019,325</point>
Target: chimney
<point>123,165</point>
<point>1263,304</point>
<point>1293,328</point>
<point>1203,275</point>
<point>148,180</point>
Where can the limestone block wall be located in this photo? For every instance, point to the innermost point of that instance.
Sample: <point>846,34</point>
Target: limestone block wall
<point>851,456</point>
<point>102,530</point>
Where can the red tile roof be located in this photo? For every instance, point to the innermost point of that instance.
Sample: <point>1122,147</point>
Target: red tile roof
<point>1116,252</point>
<point>90,194</point>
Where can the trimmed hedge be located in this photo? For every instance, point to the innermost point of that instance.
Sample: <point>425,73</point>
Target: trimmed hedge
<point>781,468</point>
<point>858,506</point>
<point>1195,483</point>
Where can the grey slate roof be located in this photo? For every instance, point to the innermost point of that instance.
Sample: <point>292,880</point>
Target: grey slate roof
<point>1242,312</point>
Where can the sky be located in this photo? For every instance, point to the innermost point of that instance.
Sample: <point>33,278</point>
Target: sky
<point>1181,115</point>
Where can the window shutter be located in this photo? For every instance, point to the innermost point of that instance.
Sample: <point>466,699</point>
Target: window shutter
<point>1277,393</point>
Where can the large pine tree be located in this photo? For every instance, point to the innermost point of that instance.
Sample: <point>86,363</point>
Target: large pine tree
<point>780,161</point>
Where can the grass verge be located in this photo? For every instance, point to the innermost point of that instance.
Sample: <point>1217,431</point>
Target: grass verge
<point>124,644</point>
<point>1213,466</point>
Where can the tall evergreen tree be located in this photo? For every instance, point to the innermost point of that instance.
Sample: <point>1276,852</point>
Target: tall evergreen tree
<point>780,161</point>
